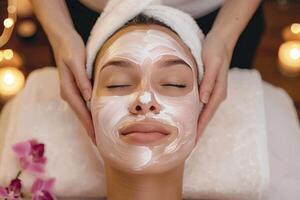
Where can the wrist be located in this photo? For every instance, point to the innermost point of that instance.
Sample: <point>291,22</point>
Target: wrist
<point>59,34</point>
<point>227,42</point>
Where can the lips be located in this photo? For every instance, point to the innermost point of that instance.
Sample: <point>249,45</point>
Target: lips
<point>144,133</point>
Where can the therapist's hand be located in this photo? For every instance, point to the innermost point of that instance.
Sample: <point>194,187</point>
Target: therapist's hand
<point>216,57</point>
<point>69,52</point>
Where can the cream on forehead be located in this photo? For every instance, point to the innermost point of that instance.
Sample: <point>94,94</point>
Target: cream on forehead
<point>138,45</point>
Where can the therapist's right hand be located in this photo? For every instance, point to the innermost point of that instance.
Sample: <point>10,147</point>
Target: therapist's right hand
<point>75,87</point>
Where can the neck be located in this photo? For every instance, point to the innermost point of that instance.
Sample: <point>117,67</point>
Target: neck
<point>162,186</point>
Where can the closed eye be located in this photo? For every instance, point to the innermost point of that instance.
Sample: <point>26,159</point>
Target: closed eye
<point>174,85</point>
<point>117,86</point>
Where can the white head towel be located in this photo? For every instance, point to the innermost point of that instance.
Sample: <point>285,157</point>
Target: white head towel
<point>118,12</point>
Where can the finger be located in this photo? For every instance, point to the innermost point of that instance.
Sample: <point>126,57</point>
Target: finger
<point>209,79</point>
<point>72,96</point>
<point>218,95</point>
<point>77,67</point>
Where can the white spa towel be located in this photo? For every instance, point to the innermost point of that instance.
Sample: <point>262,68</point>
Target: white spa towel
<point>229,162</point>
<point>118,12</point>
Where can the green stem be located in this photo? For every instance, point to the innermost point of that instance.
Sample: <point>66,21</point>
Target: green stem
<point>19,174</point>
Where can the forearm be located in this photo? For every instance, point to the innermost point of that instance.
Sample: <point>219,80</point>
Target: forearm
<point>98,5</point>
<point>54,17</point>
<point>232,19</point>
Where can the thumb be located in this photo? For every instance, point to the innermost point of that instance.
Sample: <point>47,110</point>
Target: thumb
<point>77,66</point>
<point>210,76</point>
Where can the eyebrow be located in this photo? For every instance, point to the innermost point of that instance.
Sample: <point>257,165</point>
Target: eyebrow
<point>118,63</point>
<point>166,63</point>
<point>174,61</point>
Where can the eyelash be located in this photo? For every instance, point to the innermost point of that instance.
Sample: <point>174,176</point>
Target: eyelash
<point>116,86</point>
<point>174,85</point>
<point>167,84</point>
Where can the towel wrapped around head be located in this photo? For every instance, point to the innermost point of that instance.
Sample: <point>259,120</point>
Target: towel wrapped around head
<point>118,12</point>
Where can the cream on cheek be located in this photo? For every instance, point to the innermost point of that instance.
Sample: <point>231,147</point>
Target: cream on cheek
<point>110,113</point>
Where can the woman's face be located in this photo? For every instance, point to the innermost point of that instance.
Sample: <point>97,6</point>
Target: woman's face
<point>145,103</point>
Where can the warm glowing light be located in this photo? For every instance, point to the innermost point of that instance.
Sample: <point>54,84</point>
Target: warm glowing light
<point>11,58</point>
<point>8,22</point>
<point>27,29</point>
<point>291,32</point>
<point>11,81</point>
<point>8,54</point>
<point>289,57</point>
<point>295,28</point>
<point>295,53</point>
<point>11,9</point>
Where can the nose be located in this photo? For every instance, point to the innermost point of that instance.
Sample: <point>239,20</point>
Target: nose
<point>143,104</point>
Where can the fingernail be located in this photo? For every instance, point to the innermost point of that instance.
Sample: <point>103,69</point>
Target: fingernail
<point>205,97</point>
<point>88,105</point>
<point>86,95</point>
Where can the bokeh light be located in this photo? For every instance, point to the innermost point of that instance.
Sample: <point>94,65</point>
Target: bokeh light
<point>8,54</point>
<point>289,57</point>
<point>11,81</point>
<point>8,22</point>
<point>27,29</point>
<point>11,9</point>
<point>295,28</point>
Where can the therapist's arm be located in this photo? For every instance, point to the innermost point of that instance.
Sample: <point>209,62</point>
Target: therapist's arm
<point>69,52</point>
<point>232,20</point>
<point>217,51</point>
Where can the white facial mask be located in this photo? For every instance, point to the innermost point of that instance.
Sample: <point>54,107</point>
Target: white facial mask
<point>110,113</point>
<point>138,45</point>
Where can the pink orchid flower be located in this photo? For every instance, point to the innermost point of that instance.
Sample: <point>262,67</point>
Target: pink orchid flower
<point>42,189</point>
<point>31,155</point>
<point>13,191</point>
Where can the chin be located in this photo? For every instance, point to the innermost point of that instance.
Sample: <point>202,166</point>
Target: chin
<point>164,164</point>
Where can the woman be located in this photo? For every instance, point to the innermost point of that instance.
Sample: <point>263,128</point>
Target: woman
<point>145,108</point>
<point>150,104</point>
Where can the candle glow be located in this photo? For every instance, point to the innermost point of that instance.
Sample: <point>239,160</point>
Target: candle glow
<point>8,22</point>
<point>11,81</point>
<point>289,58</point>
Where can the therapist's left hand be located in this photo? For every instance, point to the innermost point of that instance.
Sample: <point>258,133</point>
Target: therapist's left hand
<point>216,56</point>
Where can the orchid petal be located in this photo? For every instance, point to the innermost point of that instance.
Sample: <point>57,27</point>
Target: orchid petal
<point>36,167</point>
<point>38,150</point>
<point>37,185</point>
<point>41,160</point>
<point>3,192</point>
<point>47,196</point>
<point>35,197</point>
<point>15,186</point>
<point>22,149</point>
<point>49,184</point>
<point>24,162</point>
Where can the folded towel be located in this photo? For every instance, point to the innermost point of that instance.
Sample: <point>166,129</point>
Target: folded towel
<point>230,160</point>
